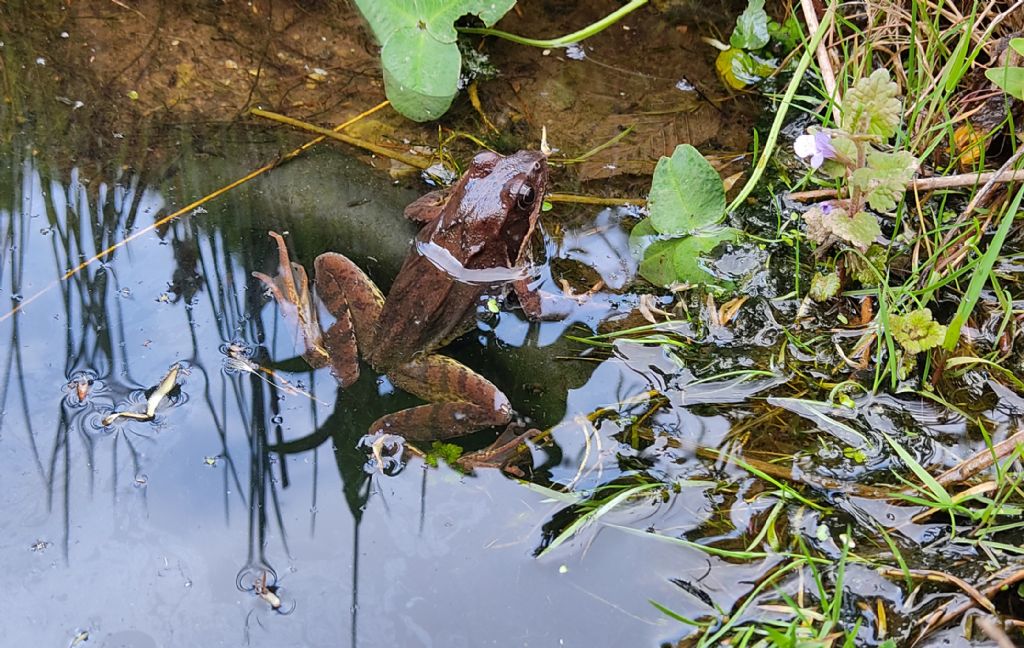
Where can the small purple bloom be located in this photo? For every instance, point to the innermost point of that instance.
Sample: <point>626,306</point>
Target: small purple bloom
<point>817,147</point>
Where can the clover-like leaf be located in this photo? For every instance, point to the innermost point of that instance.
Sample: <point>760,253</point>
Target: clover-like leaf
<point>872,106</point>
<point>824,286</point>
<point>861,230</point>
<point>680,260</point>
<point>751,31</point>
<point>884,180</point>
<point>686,193</point>
<point>916,331</point>
<point>419,54</point>
<point>827,220</point>
<point>869,268</point>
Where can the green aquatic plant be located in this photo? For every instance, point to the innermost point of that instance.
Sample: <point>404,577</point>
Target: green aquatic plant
<point>419,54</point>
<point>745,60</point>
<point>686,206</point>
<point>870,178</point>
<point>916,331</point>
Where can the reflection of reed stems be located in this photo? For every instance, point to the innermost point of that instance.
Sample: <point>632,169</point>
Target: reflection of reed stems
<point>184,210</point>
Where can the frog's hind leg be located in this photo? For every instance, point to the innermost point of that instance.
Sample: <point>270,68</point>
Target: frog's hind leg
<point>356,303</point>
<point>462,401</point>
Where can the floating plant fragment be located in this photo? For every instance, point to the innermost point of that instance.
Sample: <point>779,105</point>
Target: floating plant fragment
<point>916,331</point>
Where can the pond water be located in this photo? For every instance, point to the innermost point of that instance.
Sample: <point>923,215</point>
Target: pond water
<point>146,533</point>
<point>245,512</point>
<point>722,467</point>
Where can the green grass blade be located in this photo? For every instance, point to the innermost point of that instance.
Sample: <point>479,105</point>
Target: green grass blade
<point>988,260</point>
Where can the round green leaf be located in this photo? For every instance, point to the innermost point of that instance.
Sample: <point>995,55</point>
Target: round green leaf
<point>641,236</point>
<point>658,264</point>
<point>686,193</point>
<point>680,260</point>
<point>421,74</point>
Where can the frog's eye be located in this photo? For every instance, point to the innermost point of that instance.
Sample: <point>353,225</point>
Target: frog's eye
<point>525,196</point>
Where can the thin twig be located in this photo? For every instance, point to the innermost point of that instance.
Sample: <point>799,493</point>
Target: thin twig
<point>981,460</point>
<point>928,184</point>
<point>942,577</point>
<point>828,75</point>
<point>411,160</point>
<point>938,619</point>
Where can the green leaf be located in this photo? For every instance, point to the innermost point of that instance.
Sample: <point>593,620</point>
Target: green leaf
<point>824,286</point>
<point>686,193</point>
<point>739,68</point>
<point>1018,45</point>
<point>751,27</point>
<point>418,52</point>
<point>861,230</point>
<point>421,74</point>
<point>981,273</point>
<point>641,236</point>
<point>845,157</point>
<point>680,260</point>
<point>884,180</point>
<point>787,34</point>
<point>867,270</point>
<point>916,331</point>
<point>440,451</point>
<point>1009,79</point>
<point>871,106</point>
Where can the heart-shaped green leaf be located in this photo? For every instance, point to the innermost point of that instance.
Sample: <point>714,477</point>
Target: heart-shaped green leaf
<point>751,27</point>
<point>418,52</point>
<point>1009,79</point>
<point>421,74</point>
<point>681,260</point>
<point>686,193</point>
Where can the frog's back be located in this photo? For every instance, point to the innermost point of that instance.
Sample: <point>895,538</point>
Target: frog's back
<point>425,309</point>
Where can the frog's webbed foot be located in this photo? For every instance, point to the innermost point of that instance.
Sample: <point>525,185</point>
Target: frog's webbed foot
<point>505,454</point>
<point>290,288</point>
<point>461,401</point>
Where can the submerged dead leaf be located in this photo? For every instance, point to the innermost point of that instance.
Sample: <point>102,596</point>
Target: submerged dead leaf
<point>655,134</point>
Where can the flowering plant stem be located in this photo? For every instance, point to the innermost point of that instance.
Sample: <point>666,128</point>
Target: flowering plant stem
<point>780,115</point>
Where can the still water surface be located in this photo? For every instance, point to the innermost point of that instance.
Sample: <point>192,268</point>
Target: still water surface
<point>152,533</point>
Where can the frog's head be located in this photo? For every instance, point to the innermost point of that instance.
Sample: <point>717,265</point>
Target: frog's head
<point>516,185</point>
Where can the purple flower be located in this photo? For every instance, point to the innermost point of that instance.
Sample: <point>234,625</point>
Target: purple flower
<point>816,146</point>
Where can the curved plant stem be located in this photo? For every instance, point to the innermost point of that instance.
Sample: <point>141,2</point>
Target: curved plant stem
<point>780,115</point>
<point>568,39</point>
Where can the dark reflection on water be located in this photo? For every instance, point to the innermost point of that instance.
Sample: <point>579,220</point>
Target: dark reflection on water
<point>175,530</point>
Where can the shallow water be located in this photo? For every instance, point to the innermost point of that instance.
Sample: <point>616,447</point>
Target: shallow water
<point>152,532</point>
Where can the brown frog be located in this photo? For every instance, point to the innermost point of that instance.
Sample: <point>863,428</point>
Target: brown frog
<point>475,238</point>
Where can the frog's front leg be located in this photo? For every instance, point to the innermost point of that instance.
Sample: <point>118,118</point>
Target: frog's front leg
<point>356,303</point>
<point>461,401</point>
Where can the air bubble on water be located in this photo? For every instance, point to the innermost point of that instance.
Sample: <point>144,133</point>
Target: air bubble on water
<point>277,420</point>
<point>141,480</point>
